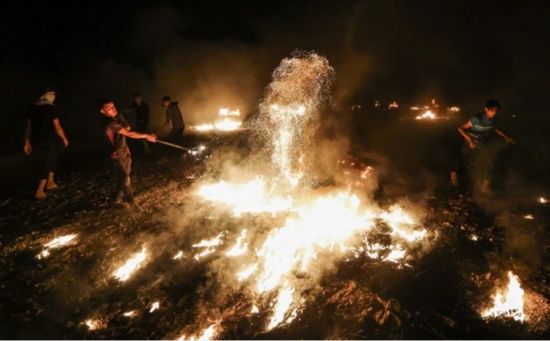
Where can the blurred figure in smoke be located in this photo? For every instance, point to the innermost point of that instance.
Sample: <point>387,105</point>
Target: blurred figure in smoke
<point>434,107</point>
<point>478,158</point>
<point>44,131</point>
<point>141,110</point>
<point>174,117</point>
<point>116,130</point>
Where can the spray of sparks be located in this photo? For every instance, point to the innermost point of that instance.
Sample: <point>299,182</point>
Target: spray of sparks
<point>290,114</point>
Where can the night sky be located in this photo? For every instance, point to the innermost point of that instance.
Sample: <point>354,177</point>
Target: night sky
<point>211,54</point>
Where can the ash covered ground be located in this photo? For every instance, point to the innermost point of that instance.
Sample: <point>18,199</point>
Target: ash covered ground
<point>72,294</point>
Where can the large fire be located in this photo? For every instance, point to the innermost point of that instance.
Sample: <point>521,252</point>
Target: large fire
<point>508,303</point>
<point>311,229</point>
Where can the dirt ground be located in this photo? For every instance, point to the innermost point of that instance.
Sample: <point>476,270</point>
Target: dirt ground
<point>438,296</point>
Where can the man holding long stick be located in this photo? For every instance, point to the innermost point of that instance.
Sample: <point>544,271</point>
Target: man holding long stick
<point>116,131</point>
<point>175,118</point>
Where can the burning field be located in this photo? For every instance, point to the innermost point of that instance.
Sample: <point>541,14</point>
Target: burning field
<point>282,239</point>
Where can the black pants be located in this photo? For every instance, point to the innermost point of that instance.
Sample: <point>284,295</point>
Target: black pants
<point>51,154</point>
<point>175,135</point>
<point>176,138</point>
<point>478,162</point>
<point>123,168</point>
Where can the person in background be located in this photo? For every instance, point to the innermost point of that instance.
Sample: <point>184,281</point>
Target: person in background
<point>476,132</point>
<point>116,130</point>
<point>174,118</point>
<point>141,110</point>
<point>43,131</point>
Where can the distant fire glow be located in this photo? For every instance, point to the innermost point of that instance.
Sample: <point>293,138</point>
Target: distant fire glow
<point>229,121</point>
<point>427,115</point>
<point>94,324</point>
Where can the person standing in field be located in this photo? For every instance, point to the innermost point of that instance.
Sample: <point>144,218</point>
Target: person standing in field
<point>43,131</point>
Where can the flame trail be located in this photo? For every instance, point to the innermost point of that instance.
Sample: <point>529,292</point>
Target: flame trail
<point>240,246</point>
<point>154,307</point>
<point>134,263</point>
<point>207,334</point>
<point>55,243</point>
<point>209,246</point>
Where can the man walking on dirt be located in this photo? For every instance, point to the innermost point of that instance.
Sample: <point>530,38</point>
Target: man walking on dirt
<point>43,131</point>
<point>476,133</point>
<point>117,129</point>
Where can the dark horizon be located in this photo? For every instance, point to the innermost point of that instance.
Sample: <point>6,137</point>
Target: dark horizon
<point>211,55</point>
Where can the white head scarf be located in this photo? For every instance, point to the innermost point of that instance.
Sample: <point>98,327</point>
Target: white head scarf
<point>47,98</point>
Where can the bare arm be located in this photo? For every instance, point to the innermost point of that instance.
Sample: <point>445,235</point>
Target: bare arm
<point>462,131</point>
<point>136,135</point>
<point>504,136</point>
<point>27,148</point>
<point>60,132</point>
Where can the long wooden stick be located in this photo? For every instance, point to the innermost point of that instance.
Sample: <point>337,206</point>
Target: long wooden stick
<point>172,145</point>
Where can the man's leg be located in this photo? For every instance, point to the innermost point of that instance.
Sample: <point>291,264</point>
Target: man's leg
<point>128,193</point>
<point>121,178</point>
<point>40,194</point>
<point>468,160</point>
<point>47,176</point>
<point>486,169</point>
<point>175,137</point>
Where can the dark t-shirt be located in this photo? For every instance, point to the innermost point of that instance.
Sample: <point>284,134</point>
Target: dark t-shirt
<point>142,111</point>
<point>173,114</point>
<point>481,128</point>
<point>42,128</point>
<point>117,141</point>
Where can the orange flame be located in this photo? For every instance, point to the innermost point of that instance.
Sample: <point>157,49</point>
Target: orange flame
<point>508,303</point>
<point>134,263</point>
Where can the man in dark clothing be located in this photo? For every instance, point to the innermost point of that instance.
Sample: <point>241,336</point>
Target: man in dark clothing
<point>174,116</point>
<point>476,133</point>
<point>44,131</point>
<point>116,130</point>
<point>141,110</point>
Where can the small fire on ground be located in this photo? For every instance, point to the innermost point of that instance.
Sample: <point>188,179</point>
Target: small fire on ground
<point>508,302</point>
